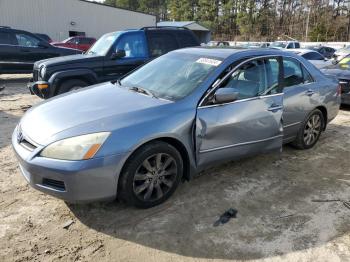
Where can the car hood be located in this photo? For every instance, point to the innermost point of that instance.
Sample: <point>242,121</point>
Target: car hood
<point>337,70</point>
<point>70,59</point>
<point>92,106</point>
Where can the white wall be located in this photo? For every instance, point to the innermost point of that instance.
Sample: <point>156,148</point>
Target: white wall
<point>54,17</point>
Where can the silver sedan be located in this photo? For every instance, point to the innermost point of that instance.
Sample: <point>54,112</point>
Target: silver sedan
<point>138,137</point>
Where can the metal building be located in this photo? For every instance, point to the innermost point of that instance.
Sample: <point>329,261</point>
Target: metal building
<point>63,18</point>
<point>202,33</point>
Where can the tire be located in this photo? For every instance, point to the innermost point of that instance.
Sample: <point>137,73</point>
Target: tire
<point>70,85</point>
<point>309,133</point>
<point>142,184</point>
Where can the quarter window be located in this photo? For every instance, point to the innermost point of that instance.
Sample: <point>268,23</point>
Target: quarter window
<point>27,40</point>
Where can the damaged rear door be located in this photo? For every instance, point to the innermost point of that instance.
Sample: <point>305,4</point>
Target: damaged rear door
<point>250,124</point>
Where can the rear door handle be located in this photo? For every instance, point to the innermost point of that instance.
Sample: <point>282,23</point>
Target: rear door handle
<point>310,92</point>
<point>275,108</point>
<point>25,50</point>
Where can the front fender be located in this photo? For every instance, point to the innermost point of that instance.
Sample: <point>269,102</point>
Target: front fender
<point>85,73</point>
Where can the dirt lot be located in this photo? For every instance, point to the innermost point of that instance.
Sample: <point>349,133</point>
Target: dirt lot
<point>277,218</point>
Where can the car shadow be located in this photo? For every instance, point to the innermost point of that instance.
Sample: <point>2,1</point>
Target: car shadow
<point>272,193</point>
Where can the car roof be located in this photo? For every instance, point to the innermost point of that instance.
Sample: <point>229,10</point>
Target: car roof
<point>226,52</point>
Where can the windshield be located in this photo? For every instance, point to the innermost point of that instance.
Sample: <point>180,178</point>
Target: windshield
<point>104,44</point>
<point>172,76</point>
<point>278,44</point>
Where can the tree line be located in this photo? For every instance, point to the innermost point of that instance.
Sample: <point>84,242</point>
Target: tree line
<point>255,20</point>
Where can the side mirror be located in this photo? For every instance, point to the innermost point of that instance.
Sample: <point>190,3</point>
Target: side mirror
<point>225,95</point>
<point>43,44</point>
<point>118,54</point>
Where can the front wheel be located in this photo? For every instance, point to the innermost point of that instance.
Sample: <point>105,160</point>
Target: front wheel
<point>151,175</point>
<point>310,131</point>
<point>70,85</point>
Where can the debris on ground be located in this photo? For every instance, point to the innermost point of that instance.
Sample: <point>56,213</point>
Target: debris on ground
<point>68,224</point>
<point>225,217</point>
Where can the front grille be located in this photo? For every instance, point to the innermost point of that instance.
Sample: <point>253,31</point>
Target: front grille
<point>26,144</point>
<point>345,86</point>
<point>55,184</point>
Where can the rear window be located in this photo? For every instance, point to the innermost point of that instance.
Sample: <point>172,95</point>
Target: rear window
<point>7,38</point>
<point>161,43</point>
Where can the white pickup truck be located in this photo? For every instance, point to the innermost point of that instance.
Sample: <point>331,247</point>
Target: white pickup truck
<point>285,44</point>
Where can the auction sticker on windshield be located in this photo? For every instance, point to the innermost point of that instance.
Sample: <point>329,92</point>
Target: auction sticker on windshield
<point>208,61</point>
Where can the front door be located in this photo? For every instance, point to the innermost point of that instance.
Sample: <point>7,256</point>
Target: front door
<point>134,45</point>
<point>247,126</point>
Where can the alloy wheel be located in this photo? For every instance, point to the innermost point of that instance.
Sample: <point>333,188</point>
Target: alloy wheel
<point>155,177</point>
<point>312,129</point>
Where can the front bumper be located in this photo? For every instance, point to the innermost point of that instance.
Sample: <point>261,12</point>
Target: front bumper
<point>73,181</point>
<point>345,98</point>
<point>39,88</point>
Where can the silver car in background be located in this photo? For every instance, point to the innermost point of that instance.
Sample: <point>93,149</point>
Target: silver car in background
<point>138,137</point>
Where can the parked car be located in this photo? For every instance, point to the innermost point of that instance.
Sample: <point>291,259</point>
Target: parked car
<point>256,45</point>
<point>326,51</point>
<point>138,137</point>
<point>341,53</point>
<point>45,37</point>
<point>285,44</point>
<point>111,57</point>
<point>341,71</point>
<point>77,42</point>
<point>314,57</point>
<point>19,50</point>
<point>218,43</point>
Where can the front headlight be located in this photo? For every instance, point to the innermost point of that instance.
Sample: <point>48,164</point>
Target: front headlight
<point>76,148</point>
<point>42,72</point>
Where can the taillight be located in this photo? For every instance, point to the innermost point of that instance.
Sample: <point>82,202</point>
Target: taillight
<point>339,89</point>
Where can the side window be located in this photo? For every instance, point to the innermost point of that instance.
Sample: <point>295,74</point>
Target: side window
<point>313,56</point>
<point>306,76</point>
<point>132,44</point>
<point>289,46</point>
<point>7,39</point>
<point>186,39</point>
<point>255,78</point>
<point>297,45</point>
<point>160,44</point>
<point>27,40</point>
<point>295,73</point>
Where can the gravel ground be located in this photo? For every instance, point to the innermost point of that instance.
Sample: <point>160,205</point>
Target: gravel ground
<point>277,217</point>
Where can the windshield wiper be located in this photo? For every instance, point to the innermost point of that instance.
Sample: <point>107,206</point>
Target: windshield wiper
<point>142,91</point>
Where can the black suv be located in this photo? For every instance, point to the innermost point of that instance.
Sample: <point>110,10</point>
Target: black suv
<point>111,57</point>
<point>19,50</point>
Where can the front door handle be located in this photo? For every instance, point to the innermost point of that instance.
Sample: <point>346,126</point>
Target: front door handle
<point>274,108</point>
<point>310,92</point>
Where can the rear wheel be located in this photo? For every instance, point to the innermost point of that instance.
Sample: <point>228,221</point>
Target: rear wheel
<point>151,175</point>
<point>310,131</point>
<point>70,85</point>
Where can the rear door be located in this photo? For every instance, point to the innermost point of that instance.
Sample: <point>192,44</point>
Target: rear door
<point>300,96</point>
<point>135,47</point>
<point>249,125</point>
<point>10,59</point>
